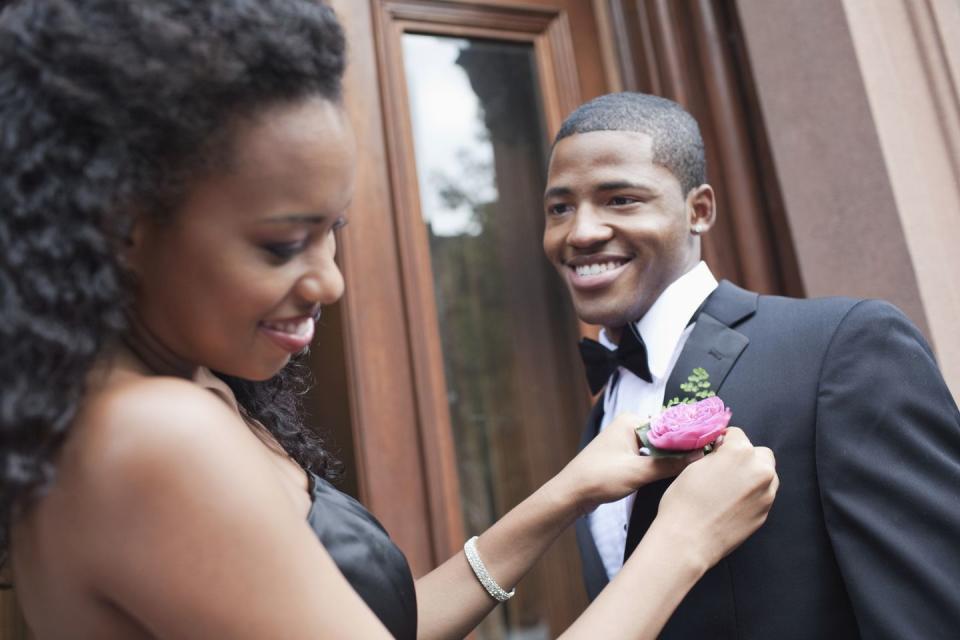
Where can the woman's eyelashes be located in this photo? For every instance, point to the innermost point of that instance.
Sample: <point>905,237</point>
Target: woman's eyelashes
<point>283,251</point>
<point>317,231</point>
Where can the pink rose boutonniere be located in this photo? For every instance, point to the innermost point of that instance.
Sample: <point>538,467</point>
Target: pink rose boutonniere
<point>686,426</point>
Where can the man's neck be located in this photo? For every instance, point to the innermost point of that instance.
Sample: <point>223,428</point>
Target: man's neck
<point>613,334</point>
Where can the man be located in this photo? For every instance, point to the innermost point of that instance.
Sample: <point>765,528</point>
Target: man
<point>864,537</point>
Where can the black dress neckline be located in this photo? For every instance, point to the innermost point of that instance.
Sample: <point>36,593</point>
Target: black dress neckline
<point>363,551</point>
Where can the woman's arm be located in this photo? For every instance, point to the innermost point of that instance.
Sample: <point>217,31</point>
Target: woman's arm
<point>450,599</point>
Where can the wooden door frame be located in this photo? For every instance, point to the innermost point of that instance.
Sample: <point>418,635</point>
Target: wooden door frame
<point>548,32</point>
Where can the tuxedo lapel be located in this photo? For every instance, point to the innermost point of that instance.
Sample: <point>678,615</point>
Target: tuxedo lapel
<point>594,573</point>
<point>712,346</point>
<point>591,565</point>
<point>593,423</point>
<point>715,346</point>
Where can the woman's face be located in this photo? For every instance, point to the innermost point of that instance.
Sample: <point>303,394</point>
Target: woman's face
<point>235,280</point>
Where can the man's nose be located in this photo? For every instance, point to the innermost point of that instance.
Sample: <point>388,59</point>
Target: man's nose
<point>588,228</point>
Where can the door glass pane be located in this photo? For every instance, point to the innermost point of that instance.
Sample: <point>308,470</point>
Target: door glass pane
<point>508,336</point>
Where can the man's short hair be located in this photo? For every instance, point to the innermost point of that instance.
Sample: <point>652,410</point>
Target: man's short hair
<point>677,144</point>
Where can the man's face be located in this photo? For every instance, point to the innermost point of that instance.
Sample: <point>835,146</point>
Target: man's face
<point>618,227</point>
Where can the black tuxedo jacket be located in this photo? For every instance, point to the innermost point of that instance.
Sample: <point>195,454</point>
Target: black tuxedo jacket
<point>863,539</point>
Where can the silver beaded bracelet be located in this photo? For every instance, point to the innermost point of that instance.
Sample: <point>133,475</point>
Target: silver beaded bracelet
<point>480,570</point>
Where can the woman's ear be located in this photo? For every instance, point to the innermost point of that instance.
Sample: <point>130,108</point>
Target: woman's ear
<point>132,247</point>
<point>701,209</point>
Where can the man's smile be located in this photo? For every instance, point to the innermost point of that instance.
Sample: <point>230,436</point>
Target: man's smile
<point>594,271</point>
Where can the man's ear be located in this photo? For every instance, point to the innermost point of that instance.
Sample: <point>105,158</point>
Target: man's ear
<point>701,209</point>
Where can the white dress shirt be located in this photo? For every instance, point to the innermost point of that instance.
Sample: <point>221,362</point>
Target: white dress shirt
<point>664,331</point>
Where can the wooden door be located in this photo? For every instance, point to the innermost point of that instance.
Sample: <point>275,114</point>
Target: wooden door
<point>465,389</point>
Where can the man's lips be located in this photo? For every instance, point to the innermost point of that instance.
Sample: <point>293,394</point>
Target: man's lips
<point>594,272</point>
<point>291,334</point>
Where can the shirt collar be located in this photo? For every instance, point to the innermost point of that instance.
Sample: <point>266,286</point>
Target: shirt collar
<point>664,323</point>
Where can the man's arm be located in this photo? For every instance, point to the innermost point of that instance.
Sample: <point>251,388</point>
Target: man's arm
<point>888,464</point>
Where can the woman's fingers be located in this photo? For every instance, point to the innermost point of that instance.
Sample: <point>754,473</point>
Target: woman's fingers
<point>736,438</point>
<point>767,454</point>
<point>651,469</point>
<point>611,466</point>
<point>723,499</point>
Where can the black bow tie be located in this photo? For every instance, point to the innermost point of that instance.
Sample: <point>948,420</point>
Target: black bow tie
<point>601,362</point>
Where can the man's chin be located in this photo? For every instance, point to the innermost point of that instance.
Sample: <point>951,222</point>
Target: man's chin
<point>604,317</point>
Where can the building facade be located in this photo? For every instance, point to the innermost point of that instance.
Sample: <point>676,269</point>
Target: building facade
<point>448,374</point>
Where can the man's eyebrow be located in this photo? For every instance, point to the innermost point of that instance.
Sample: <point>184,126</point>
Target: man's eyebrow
<point>560,192</point>
<point>621,184</point>
<point>557,192</point>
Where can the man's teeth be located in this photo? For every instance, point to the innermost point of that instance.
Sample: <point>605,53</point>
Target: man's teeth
<point>299,328</point>
<point>595,269</point>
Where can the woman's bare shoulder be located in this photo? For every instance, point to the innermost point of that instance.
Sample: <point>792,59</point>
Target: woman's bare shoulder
<point>180,514</point>
<point>150,401</point>
<point>135,442</point>
<point>149,421</point>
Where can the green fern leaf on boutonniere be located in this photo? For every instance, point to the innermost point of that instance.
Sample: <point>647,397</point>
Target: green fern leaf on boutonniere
<point>697,387</point>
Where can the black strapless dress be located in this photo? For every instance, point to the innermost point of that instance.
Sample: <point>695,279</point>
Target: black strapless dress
<point>373,565</point>
<point>359,545</point>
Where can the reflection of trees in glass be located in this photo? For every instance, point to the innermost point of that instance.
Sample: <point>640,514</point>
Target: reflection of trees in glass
<point>473,325</point>
<point>497,320</point>
<point>467,187</point>
<point>474,321</point>
<point>480,282</point>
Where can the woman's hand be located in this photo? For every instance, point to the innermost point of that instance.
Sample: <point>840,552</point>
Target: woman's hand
<point>710,508</point>
<point>611,467</point>
<point>715,504</point>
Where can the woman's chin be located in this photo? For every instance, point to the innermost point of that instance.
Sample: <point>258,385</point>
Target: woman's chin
<point>257,374</point>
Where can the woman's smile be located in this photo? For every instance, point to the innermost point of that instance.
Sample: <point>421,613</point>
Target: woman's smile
<point>292,335</point>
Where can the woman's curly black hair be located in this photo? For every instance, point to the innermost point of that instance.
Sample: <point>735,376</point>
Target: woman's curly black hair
<point>109,107</point>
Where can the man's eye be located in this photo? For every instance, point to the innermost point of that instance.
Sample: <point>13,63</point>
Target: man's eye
<point>283,251</point>
<point>558,209</point>
<point>619,201</point>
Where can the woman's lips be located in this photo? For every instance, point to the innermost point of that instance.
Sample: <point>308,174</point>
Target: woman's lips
<point>290,335</point>
<point>590,278</point>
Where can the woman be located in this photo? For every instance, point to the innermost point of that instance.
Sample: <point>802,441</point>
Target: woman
<point>173,176</point>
